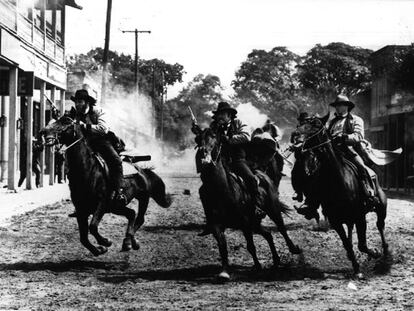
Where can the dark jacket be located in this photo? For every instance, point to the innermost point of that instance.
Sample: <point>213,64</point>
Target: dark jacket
<point>238,138</point>
<point>94,121</point>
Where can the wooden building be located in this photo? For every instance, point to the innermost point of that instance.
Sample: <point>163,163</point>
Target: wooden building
<point>32,65</point>
<point>392,118</point>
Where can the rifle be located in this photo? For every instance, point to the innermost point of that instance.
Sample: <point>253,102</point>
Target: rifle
<point>193,118</point>
<point>53,107</point>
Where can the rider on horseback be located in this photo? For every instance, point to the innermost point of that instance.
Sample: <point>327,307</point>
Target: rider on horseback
<point>97,134</point>
<point>231,138</point>
<point>347,133</point>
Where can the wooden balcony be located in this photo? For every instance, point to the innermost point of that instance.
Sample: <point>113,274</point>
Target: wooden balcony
<point>33,36</point>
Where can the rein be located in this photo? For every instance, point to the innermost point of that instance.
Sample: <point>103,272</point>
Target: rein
<point>317,146</point>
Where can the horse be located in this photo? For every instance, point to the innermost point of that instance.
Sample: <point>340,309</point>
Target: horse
<point>90,189</point>
<point>339,190</point>
<point>226,204</point>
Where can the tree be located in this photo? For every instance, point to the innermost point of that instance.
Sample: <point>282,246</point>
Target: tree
<point>201,94</point>
<point>335,68</point>
<point>121,70</point>
<point>269,81</point>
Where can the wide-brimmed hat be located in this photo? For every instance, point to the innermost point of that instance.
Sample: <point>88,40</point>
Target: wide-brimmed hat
<point>83,94</point>
<point>343,100</point>
<point>224,106</point>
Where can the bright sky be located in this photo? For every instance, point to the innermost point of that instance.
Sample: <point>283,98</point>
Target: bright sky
<point>215,36</point>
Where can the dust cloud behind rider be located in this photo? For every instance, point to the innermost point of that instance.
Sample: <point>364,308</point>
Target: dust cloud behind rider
<point>93,121</point>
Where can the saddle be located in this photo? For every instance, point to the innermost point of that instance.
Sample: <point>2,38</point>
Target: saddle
<point>129,167</point>
<point>371,174</point>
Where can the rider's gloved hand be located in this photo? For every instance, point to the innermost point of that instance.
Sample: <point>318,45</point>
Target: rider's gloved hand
<point>195,128</point>
<point>338,139</point>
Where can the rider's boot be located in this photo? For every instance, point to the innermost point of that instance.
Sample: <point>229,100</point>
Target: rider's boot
<point>371,200</point>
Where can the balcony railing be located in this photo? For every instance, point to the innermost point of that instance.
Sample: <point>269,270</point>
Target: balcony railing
<point>28,32</point>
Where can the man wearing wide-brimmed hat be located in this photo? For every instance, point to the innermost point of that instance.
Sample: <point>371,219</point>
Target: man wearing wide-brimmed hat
<point>93,121</point>
<point>232,136</point>
<point>347,132</point>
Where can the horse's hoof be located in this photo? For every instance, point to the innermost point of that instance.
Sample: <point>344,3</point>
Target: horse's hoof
<point>105,242</point>
<point>135,244</point>
<point>126,245</point>
<point>295,250</point>
<point>100,250</point>
<point>223,277</point>
<point>359,276</point>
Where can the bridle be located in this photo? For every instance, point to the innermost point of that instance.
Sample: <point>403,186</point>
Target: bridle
<point>323,131</point>
<point>56,141</point>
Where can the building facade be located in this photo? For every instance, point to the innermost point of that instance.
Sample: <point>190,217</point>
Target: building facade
<point>32,70</point>
<point>392,119</point>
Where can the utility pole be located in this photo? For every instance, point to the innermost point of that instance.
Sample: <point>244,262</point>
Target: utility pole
<point>105,52</point>
<point>136,31</point>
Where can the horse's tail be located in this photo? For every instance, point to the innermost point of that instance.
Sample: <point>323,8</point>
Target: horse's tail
<point>157,189</point>
<point>273,193</point>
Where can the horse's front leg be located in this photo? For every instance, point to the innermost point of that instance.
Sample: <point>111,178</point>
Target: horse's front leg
<point>83,231</point>
<point>361,227</point>
<point>93,226</point>
<point>348,246</point>
<point>222,244</point>
<point>251,248</point>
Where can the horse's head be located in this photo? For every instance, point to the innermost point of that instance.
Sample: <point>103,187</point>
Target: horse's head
<point>60,131</point>
<point>207,143</point>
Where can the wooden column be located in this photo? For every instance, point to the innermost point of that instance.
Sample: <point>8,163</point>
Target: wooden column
<point>29,144</point>
<point>62,102</point>
<point>4,134</point>
<point>42,125</point>
<point>11,183</point>
<point>52,148</point>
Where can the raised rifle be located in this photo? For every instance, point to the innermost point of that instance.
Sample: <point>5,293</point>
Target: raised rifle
<point>193,118</point>
<point>53,108</point>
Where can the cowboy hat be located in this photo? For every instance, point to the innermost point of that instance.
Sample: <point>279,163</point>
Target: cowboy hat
<point>83,94</point>
<point>224,106</point>
<point>343,100</point>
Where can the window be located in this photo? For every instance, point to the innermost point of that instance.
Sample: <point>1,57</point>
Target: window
<point>59,26</point>
<point>38,14</point>
<point>25,8</point>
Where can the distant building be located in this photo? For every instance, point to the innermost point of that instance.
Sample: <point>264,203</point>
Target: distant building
<point>32,64</point>
<point>392,118</point>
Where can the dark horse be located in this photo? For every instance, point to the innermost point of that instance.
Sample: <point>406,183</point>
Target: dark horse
<point>90,190</point>
<point>226,204</point>
<point>340,191</point>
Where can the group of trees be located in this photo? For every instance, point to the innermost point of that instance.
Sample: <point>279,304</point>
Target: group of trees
<point>278,82</point>
<point>283,84</point>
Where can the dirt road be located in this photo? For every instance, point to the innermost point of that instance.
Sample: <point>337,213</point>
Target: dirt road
<point>44,267</point>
